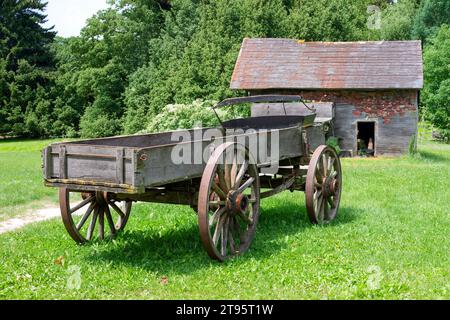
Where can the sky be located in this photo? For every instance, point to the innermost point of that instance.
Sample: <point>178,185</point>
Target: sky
<point>69,16</point>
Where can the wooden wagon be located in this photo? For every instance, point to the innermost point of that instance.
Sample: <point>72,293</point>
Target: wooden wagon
<point>99,179</point>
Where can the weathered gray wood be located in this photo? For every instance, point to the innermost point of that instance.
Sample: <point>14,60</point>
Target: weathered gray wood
<point>158,169</point>
<point>47,162</point>
<point>89,163</point>
<point>84,166</point>
<point>394,137</point>
<point>315,136</point>
<point>129,142</point>
<point>71,185</point>
<point>163,196</point>
<point>120,166</point>
<point>323,109</point>
<point>62,163</point>
<point>391,138</point>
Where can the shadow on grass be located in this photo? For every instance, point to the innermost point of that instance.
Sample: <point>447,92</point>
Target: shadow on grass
<point>181,252</point>
<point>434,157</point>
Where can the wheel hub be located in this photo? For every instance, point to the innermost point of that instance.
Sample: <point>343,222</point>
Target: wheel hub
<point>102,197</point>
<point>334,186</point>
<point>85,195</point>
<point>331,186</point>
<point>237,202</point>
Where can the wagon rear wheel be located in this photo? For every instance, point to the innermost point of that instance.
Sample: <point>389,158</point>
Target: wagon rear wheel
<point>89,215</point>
<point>228,204</point>
<point>323,185</point>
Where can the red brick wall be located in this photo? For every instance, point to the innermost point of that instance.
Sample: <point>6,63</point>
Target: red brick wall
<point>393,111</point>
<point>382,104</point>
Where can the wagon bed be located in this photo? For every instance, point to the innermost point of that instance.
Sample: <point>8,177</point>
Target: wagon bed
<point>130,164</point>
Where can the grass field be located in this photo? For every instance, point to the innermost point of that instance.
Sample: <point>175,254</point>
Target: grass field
<point>390,241</point>
<point>21,184</point>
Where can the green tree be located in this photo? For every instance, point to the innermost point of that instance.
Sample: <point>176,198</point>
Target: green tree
<point>430,16</point>
<point>436,93</point>
<point>151,86</point>
<point>329,20</point>
<point>94,68</point>
<point>198,62</point>
<point>397,20</point>
<point>26,68</point>
<point>138,56</point>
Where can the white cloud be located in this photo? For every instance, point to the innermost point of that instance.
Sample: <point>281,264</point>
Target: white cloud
<point>69,16</point>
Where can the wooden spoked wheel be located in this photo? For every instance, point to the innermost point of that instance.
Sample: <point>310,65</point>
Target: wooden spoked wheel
<point>85,214</point>
<point>323,185</point>
<point>228,204</point>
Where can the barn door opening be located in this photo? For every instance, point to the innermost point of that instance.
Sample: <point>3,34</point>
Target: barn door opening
<point>366,138</point>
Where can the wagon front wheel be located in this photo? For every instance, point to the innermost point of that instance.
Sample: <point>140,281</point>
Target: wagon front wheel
<point>323,185</point>
<point>228,203</point>
<point>89,215</point>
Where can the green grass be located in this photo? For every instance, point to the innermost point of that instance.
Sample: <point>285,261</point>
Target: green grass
<point>21,184</point>
<point>390,241</point>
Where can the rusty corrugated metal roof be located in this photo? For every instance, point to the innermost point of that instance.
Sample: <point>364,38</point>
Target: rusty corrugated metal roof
<point>292,64</point>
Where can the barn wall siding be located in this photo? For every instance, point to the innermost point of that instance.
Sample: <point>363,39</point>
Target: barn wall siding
<point>391,137</point>
<point>394,137</point>
<point>393,111</point>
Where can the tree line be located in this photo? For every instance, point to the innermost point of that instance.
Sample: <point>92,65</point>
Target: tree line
<point>137,56</point>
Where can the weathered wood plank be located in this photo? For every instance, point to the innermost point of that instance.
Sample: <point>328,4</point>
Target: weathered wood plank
<point>391,138</point>
<point>158,168</point>
<point>322,109</point>
<point>120,173</point>
<point>62,163</point>
<point>47,162</point>
<point>116,167</point>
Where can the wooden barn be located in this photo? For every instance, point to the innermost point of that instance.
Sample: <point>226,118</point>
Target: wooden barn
<point>373,86</point>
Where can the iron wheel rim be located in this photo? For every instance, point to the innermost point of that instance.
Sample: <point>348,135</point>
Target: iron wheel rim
<point>323,185</point>
<point>217,219</point>
<point>101,216</point>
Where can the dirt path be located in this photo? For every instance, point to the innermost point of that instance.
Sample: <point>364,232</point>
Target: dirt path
<point>45,213</point>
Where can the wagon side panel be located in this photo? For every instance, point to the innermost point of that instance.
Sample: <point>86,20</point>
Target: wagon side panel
<point>291,143</point>
<point>162,165</point>
<point>315,136</point>
<point>279,145</point>
<point>89,165</point>
<point>168,164</point>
